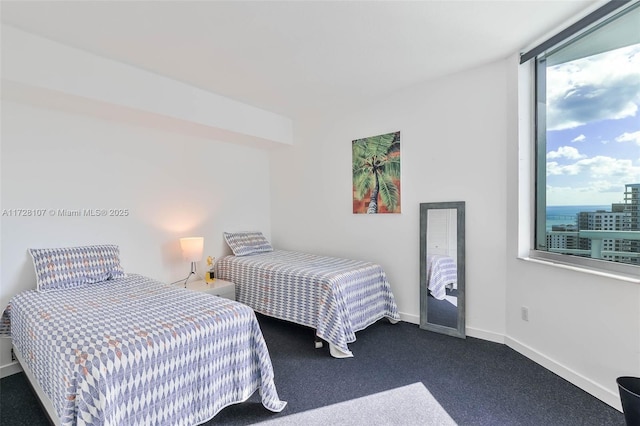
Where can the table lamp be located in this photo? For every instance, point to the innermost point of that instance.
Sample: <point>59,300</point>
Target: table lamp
<point>192,248</point>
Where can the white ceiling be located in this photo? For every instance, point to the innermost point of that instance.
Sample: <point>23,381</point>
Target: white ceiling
<point>297,57</point>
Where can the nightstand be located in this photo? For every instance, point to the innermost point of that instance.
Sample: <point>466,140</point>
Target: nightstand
<point>218,287</point>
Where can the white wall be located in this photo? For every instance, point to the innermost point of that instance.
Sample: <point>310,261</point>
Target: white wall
<point>460,141</point>
<point>584,327</point>
<point>84,132</point>
<point>453,142</point>
<point>173,185</point>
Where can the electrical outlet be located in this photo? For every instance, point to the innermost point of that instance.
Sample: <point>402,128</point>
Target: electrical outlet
<point>524,313</point>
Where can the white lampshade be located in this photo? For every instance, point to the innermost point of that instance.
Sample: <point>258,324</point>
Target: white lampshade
<point>192,248</point>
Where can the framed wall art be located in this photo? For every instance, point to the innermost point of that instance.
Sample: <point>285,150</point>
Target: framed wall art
<point>376,174</point>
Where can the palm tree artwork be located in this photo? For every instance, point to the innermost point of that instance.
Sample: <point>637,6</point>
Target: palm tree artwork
<point>376,174</point>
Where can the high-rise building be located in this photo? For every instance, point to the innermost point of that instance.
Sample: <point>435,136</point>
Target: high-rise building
<point>622,217</point>
<point>562,237</point>
<point>632,219</point>
<point>602,220</point>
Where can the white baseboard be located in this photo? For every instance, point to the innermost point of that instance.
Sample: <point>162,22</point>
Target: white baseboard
<point>471,332</point>
<point>413,319</point>
<point>605,395</point>
<point>9,369</point>
<point>485,335</point>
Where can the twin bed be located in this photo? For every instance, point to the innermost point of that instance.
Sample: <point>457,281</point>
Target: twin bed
<point>336,297</point>
<point>104,347</point>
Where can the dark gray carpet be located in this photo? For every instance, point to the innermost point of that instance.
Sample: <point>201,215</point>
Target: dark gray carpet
<point>441,311</point>
<point>476,382</point>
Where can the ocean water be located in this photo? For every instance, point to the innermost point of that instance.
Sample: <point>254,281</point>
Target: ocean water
<point>567,215</point>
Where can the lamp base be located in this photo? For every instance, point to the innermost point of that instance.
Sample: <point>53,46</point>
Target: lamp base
<point>193,272</point>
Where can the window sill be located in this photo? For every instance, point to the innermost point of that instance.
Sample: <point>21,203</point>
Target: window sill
<point>587,270</point>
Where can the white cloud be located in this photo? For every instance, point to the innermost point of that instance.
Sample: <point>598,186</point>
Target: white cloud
<point>579,138</point>
<point>602,193</point>
<point>629,137</point>
<point>565,152</point>
<point>598,191</point>
<point>617,171</point>
<point>556,169</point>
<point>602,166</point>
<point>599,87</point>
<point>591,181</point>
<point>607,186</point>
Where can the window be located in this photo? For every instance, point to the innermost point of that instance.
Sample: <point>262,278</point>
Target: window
<point>587,90</point>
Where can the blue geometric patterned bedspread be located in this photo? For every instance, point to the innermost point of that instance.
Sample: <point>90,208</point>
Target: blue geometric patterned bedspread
<point>441,271</point>
<point>136,351</point>
<point>335,296</point>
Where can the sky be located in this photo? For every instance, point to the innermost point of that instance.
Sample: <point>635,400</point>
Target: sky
<point>593,128</point>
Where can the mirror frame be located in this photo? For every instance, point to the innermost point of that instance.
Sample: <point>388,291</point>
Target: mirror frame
<point>459,206</point>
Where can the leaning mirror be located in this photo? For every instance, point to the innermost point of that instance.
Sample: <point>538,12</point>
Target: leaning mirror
<point>442,268</point>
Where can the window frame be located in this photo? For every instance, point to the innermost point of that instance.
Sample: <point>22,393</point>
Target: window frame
<point>538,146</point>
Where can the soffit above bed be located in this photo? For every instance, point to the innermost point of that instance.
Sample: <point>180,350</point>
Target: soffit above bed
<point>45,73</point>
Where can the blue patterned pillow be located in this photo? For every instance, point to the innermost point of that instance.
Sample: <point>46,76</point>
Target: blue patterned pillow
<point>246,243</point>
<point>58,268</point>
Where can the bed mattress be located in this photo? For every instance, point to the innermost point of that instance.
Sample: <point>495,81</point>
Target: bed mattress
<point>136,351</point>
<point>337,297</point>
